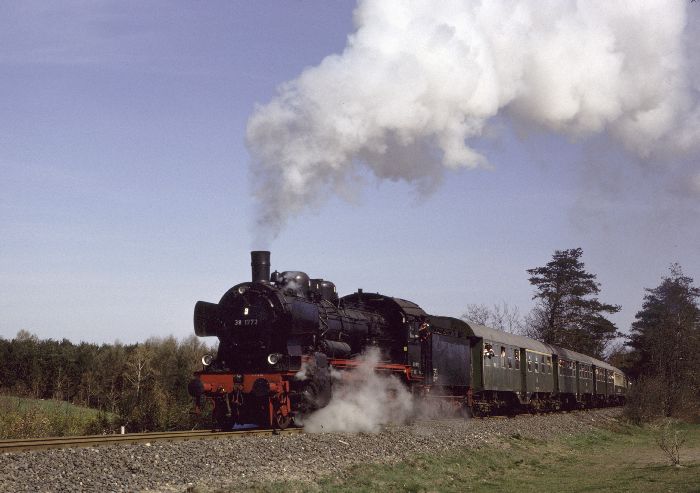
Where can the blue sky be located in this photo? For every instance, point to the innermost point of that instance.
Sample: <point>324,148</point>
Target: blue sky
<point>125,182</point>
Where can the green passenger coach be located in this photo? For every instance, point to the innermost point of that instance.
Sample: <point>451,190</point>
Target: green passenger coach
<point>508,372</point>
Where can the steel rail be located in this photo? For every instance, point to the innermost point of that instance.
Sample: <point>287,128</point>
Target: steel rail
<point>29,444</point>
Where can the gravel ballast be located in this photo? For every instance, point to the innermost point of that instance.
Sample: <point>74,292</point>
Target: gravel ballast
<point>175,466</point>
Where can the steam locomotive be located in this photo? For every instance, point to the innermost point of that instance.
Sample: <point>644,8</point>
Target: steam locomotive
<point>282,334</point>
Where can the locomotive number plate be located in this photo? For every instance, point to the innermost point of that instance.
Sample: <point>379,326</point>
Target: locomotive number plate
<point>249,321</point>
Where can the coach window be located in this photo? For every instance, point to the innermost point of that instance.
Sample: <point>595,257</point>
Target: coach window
<point>503,357</point>
<point>529,362</point>
<point>516,353</point>
<point>537,363</point>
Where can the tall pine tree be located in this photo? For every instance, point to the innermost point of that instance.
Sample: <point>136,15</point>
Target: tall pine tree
<point>665,342</point>
<point>568,312</point>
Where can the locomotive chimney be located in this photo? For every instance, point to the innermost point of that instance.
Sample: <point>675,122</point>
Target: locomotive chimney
<point>260,265</point>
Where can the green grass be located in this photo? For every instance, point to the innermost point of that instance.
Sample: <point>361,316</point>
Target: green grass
<point>35,418</point>
<point>624,459</point>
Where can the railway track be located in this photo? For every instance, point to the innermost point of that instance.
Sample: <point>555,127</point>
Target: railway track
<point>29,444</point>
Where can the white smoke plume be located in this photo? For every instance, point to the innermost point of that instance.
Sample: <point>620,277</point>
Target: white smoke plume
<point>363,400</point>
<point>419,81</point>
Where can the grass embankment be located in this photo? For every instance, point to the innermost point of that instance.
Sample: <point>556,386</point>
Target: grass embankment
<point>624,459</point>
<point>33,418</point>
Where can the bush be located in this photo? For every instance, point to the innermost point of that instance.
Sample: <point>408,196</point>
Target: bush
<point>651,399</point>
<point>670,440</point>
<point>30,418</point>
<point>645,401</point>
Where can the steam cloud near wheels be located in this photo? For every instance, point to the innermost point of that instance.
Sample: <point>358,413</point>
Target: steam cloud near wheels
<point>420,81</point>
<point>363,400</point>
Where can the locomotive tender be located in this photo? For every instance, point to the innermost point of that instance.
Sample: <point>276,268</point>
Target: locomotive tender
<point>281,334</point>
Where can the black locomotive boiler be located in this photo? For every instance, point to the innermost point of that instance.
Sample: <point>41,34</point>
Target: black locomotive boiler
<point>281,334</point>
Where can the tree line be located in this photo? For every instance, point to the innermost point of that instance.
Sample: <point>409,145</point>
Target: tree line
<point>142,386</point>
<point>661,353</point>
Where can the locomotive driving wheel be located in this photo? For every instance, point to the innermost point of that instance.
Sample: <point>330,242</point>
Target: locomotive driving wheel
<point>281,418</point>
<point>282,421</point>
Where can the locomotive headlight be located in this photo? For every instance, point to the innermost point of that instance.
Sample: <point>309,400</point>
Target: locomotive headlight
<point>207,359</point>
<point>273,358</point>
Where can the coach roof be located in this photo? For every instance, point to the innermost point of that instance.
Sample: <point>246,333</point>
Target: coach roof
<point>569,355</point>
<point>494,335</point>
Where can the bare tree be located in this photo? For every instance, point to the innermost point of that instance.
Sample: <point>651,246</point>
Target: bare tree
<point>59,385</point>
<point>506,318</point>
<point>501,316</point>
<point>479,314</point>
<point>139,368</point>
